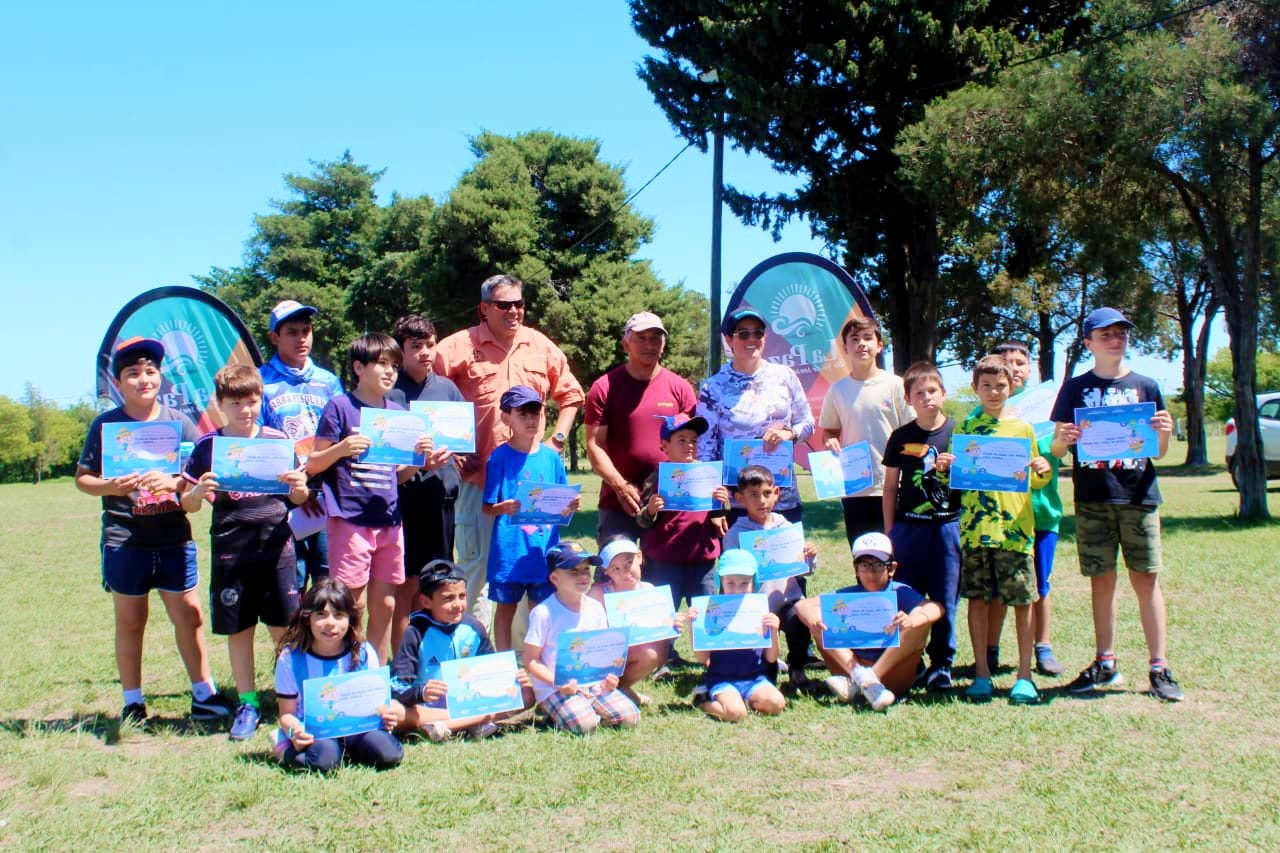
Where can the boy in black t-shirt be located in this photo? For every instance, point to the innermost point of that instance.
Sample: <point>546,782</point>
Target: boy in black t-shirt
<point>1117,505</point>
<point>922,515</point>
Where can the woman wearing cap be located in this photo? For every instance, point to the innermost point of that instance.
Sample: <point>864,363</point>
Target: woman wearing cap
<point>751,397</point>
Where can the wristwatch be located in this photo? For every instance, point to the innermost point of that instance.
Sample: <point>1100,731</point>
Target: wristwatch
<point>559,438</point>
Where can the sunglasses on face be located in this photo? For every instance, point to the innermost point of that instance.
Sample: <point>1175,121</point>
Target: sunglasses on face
<point>747,334</point>
<point>507,304</point>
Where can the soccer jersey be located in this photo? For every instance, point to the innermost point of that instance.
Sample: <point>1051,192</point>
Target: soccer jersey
<point>294,667</point>
<point>293,399</point>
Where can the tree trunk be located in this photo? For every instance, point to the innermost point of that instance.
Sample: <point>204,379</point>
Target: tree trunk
<point>573,450</point>
<point>1045,339</point>
<point>1195,363</point>
<point>911,278</point>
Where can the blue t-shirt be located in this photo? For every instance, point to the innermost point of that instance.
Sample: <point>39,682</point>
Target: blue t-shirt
<point>908,600</point>
<point>292,400</point>
<point>357,492</point>
<point>518,551</point>
<point>734,665</point>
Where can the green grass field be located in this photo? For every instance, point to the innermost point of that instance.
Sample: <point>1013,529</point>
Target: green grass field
<point>1121,770</point>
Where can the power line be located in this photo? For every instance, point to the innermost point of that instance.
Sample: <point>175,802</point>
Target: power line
<point>609,216</point>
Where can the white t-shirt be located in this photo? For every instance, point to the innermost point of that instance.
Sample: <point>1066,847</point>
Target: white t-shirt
<point>548,621</point>
<point>867,411</point>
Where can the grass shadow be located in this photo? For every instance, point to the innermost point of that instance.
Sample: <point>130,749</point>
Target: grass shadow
<point>106,729</point>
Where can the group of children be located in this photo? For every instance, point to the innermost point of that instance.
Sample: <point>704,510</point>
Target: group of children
<point>993,548</point>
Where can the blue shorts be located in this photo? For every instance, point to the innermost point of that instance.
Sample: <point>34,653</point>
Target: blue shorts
<point>744,688</point>
<point>1046,542</point>
<point>137,571</point>
<point>511,593</point>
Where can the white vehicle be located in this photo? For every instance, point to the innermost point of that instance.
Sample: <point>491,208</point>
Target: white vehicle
<point>1269,423</point>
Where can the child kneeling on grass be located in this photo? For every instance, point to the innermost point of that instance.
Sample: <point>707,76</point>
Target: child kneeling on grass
<point>440,629</point>
<point>579,710</point>
<point>878,675</point>
<point>324,639</point>
<point>737,679</point>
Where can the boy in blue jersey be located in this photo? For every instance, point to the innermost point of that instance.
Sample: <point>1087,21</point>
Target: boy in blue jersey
<point>441,629</point>
<point>295,391</point>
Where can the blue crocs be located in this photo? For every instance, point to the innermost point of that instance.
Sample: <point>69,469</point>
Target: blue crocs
<point>979,690</point>
<point>1024,693</point>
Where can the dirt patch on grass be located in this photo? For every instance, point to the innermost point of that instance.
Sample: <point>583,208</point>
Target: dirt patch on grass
<point>92,787</point>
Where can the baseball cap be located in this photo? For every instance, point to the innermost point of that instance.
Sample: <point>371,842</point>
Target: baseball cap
<point>570,555</point>
<point>1100,318</point>
<point>732,319</point>
<point>616,547</point>
<point>642,322</point>
<point>437,572</point>
<point>519,396</point>
<point>672,423</point>
<point>737,561</point>
<point>127,349</point>
<point>287,310</point>
<point>873,545</point>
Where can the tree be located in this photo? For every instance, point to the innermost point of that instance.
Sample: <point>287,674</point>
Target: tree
<point>545,208</point>
<point>1220,402</point>
<point>313,250</point>
<point>823,90</point>
<point>56,436</point>
<point>16,450</point>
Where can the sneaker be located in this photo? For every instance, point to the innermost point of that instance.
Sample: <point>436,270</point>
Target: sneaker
<point>1097,675</point>
<point>246,722</point>
<point>482,730</point>
<point>877,695</point>
<point>437,732</point>
<point>799,680</point>
<point>661,673</point>
<point>980,689</point>
<point>1163,685</point>
<point>1046,663</point>
<point>840,687</point>
<point>1024,693</point>
<point>993,658</point>
<point>135,714</point>
<point>938,679</point>
<point>216,708</point>
<point>699,694</point>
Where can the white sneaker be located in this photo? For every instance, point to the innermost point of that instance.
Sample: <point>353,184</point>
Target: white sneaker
<point>437,732</point>
<point>482,730</point>
<point>877,695</point>
<point>841,687</point>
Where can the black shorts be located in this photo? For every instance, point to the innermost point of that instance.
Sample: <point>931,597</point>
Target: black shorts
<point>255,582</point>
<point>428,535</point>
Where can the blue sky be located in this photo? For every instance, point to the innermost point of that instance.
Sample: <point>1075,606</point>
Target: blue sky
<point>142,139</point>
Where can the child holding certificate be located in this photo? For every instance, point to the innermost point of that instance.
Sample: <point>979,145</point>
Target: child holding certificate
<point>253,570</point>
<point>575,708</point>
<point>758,496</point>
<point>146,538</point>
<point>518,554</point>
<point>1117,504</point>
<point>737,679</point>
<point>323,640</point>
<point>877,675</point>
<point>997,535</point>
<point>440,629</point>
<point>366,542</point>
<point>680,548</point>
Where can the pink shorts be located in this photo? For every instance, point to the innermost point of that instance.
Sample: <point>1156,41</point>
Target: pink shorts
<point>357,553</point>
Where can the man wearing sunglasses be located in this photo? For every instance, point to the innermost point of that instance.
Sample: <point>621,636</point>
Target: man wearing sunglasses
<point>484,361</point>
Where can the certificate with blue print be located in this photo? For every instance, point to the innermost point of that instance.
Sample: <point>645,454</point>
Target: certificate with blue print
<point>687,486</point>
<point>544,503</point>
<point>1033,406</point>
<point>451,424</point>
<point>394,434</point>
<point>779,551</point>
<point>991,463</point>
<point>341,705</point>
<point>856,620</point>
<point>838,475</point>
<point>483,684</point>
<point>591,656</point>
<point>251,466</point>
<point>731,622</point>
<point>1108,433</point>
<point>741,452</point>
<point>140,447</point>
<point>649,613</point>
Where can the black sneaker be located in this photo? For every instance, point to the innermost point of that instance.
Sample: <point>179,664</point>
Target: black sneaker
<point>1097,675</point>
<point>938,680</point>
<point>214,709</point>
<point>135,714</point>
<point>1163,686</point>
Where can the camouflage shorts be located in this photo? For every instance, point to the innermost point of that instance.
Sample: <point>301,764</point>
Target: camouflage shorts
<point>994,573</point>
<point>1102,529</point>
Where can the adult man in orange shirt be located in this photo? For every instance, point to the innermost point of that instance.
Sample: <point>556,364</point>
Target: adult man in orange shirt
<point>484,361</point>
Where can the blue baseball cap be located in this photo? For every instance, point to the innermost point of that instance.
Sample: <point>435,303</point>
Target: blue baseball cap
<point>671,424</point>
<point>732,319</point>
<point>570,555</point>
<point>737,561</point>
<point>519,396</point>
<point>1100,318</point>
<point>287,310</point>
